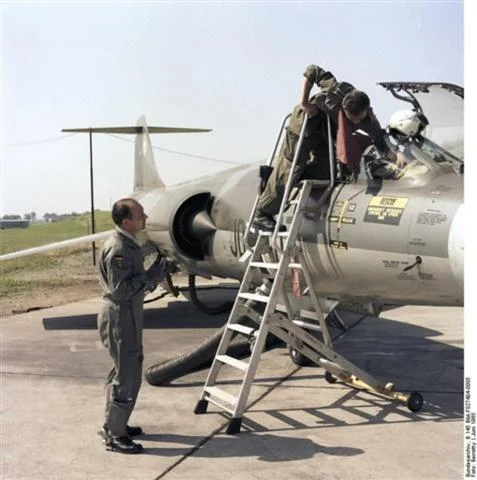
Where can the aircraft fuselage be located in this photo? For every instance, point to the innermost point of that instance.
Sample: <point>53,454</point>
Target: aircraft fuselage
<point>394,241</point>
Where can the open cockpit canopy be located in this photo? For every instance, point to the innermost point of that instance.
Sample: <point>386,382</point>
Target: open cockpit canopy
<point>442,104</point>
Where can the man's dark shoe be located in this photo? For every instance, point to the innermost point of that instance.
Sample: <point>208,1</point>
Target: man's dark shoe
<point>264,222</point>
<point>123,445</point>
<point>131,431</point>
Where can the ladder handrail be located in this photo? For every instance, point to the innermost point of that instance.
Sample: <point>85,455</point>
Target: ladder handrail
<point>288,186</point>
<point>269,163</point>
<point>274,151</point>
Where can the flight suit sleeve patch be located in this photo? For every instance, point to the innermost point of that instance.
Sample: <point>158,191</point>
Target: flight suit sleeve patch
<point>118,262</point>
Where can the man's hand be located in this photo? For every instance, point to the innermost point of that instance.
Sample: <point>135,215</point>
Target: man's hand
<point>400,160</point>
<point>310,108</point>
<point>157,270</point>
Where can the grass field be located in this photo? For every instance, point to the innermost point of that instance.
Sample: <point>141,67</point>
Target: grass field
<point>28,273</point>
<point>15,239</point>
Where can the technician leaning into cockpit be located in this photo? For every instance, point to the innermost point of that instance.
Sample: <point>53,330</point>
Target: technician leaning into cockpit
<point>349,110</point>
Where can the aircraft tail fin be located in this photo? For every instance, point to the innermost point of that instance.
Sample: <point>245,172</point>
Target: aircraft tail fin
<point>145,170</point>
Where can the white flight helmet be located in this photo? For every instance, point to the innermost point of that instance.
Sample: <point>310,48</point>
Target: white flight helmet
<point>407,123</point>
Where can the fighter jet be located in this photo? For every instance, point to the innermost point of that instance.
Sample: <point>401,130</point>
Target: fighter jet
<point>386,237</point>
<point>389,239</point>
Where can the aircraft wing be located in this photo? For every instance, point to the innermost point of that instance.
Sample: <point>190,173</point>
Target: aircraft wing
<point>56,246</point>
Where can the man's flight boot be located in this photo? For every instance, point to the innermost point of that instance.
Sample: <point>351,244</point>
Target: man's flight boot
<point>264,222</point>
<point>122,445</point>
<point>131,432</point>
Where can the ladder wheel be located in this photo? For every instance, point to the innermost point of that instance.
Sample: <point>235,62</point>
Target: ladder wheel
<point>415,402</point>
<point>201,407</point>
<point>234,426</point>
<point>298,358</point>
<point>330,378</point>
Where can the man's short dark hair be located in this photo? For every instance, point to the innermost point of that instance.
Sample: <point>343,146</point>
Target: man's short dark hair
<point>356,102</point>
<point>122,210</point>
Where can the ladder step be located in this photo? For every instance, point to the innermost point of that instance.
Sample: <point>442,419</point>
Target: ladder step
<point>270,265</point>
<point>303,314</point>
<point>296,266</point>
<point>307,325</point>
<point>237,327</point>
<point>274,265</point>
<point>233,362</point>
<point>219,393</point>
<point>254,296</point>
<point>245,256</point>
<point>263,233</point>
<point>310,314</point>
<point>318,183</point>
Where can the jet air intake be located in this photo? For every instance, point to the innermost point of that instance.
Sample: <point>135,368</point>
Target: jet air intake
<point>192,226</point>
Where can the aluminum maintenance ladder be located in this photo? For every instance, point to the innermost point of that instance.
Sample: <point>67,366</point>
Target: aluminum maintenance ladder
<point>281,247</point>
<point>268,294</point>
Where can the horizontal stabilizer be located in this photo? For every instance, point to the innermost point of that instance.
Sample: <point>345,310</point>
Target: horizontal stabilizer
<point>136,130</point>
<point>146,175</point>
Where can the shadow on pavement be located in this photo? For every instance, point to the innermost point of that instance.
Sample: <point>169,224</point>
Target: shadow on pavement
<point>176,314</point>
<point>405,354</point>
<point>268,447</point>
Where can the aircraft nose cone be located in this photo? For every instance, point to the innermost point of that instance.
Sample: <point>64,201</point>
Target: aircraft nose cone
<point>456,246</point>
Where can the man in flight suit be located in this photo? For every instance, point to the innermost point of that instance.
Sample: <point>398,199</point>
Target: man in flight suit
<point>120,320</point>
<point>336,99</point>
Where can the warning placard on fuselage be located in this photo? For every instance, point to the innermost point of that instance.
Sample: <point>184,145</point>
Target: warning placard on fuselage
<point>387,210</point>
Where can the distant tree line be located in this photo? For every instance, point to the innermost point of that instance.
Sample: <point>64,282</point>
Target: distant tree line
<point>55,217</point>
<point>31,217</point>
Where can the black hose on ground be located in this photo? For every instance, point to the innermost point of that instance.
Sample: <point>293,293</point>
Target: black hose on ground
<point>201,356</point>
<point>216,310</point>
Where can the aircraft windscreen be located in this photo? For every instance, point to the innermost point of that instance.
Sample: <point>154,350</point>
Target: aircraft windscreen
<point>421,156</point>
<point>436,152</point>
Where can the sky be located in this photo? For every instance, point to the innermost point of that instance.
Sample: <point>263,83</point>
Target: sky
<point>234,67</point>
